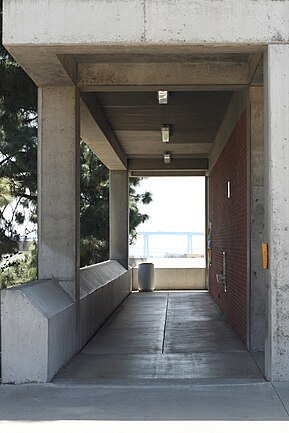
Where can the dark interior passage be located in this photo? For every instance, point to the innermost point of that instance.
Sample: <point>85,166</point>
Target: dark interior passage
<point>163,336</point>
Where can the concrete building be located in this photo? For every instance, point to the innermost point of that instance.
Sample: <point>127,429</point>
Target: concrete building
<point>98,66</point>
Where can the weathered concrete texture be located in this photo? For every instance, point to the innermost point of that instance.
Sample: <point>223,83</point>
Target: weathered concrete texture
<point>102,289</point>
<point>257,307</point>
<point>162,337</point>
<point>132,409</point>
<point>149,21</point>
<point>58,186</point>
<point>276,73</point>
<point>118,216</point>
<point>163,74</point>
<point>237,106</point>
<point>194,324</point>
<point>176,278</point>
<point>98,138</point>
<point>38,323</point>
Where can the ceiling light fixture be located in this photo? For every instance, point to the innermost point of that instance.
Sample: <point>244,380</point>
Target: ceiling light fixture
<point>165,130</point>
<point>163,96</point>
<point>167,158</point>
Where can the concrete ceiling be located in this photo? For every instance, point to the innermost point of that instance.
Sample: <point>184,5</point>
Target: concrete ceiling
<point>119,91</point>
<point>136,119</point>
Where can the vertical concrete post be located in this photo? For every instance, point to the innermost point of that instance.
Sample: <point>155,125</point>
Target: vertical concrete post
<point>119,216</point>
<point>276,82</point>
<point>58,187</point>
<point>257,274</point>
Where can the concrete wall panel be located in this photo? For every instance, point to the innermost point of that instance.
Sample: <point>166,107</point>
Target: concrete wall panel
<point>74,21</point>
<point>149,21</point>
<point>176,278</point>
<point>276,97</point>
<point>103,287</point>
<point>63,322</point>
<point>37,331</point>
<point>38,321</point>
<point>257,301</point>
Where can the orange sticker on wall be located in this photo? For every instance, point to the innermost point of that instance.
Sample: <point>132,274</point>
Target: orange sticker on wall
<point>265,255</point>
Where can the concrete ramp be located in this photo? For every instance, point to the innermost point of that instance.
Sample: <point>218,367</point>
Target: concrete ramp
<point>163,337</point>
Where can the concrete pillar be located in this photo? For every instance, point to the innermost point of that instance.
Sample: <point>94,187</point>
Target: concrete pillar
<point>257,275</point>
<point>119,216</point>
<point>58,187</point>
<point>276,86</point>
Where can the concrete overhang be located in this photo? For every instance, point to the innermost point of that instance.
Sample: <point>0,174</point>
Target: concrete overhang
<point>177,167</point>
<point>132,48</point>
<point>118,22</point>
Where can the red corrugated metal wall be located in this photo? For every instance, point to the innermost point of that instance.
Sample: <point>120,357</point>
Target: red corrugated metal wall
<point>229,228</point>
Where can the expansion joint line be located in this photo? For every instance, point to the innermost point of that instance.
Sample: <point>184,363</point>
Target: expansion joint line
<point>281,401</point>
<point>165,326</point>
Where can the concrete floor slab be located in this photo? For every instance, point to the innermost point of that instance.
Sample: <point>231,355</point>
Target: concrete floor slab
<point>193,343</point>
<point>126,340</point>
<point>170,347</point>
<point>104,369</point>
<point>161,403</point>
<point>282,389</point>
<point>156,392</point>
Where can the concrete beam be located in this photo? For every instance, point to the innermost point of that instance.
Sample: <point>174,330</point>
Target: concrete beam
<point>91,133</point>
<point>162,74</point>
<point>276,74</point>
<point>158,173</point>
<point>157,164</point>
<point>256,69</point>
<point>170,88</point>
<point>101,139</point>
<point>119,217</point>
<point>45,66</point>
<point>237,106</point>
<point>159,22</point>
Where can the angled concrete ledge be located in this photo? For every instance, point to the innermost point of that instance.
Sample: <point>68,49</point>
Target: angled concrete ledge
<point>38,322</point>
<point>102,288</point>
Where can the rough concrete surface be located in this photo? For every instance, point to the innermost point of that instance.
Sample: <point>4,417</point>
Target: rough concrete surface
<point>109,389</point>
<point>163,336</point>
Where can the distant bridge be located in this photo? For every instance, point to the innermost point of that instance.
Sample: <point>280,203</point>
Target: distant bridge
<point>189,236</point>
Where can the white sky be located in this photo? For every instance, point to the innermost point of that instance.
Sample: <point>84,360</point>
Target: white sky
<point>178,204</point>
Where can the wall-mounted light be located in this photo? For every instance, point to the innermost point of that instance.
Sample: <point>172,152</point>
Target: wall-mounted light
<point>167,158</point>
<point>229,189</point>
<point>165,130</point>
<point>163,96</point>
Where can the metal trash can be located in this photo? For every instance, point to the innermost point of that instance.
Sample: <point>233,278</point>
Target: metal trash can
<point>146,277</point>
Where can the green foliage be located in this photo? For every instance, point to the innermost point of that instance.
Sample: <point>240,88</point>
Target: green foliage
<point>94,199</point>
<point>18,174</point>
<point>20,271</point>
<point>5,192</point>
<point>8,237</point>
<point>135,217</point>
<point>94,208</point>
<point>18,149</point>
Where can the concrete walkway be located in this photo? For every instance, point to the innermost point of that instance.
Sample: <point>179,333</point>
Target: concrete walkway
<point>163,336</point>
<point>165,362</point>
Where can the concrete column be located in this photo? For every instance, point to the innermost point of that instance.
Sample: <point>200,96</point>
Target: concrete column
<point>58,187</point>
<point>276,81</point>
<point>257,275</point>
<point>119,217</point>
